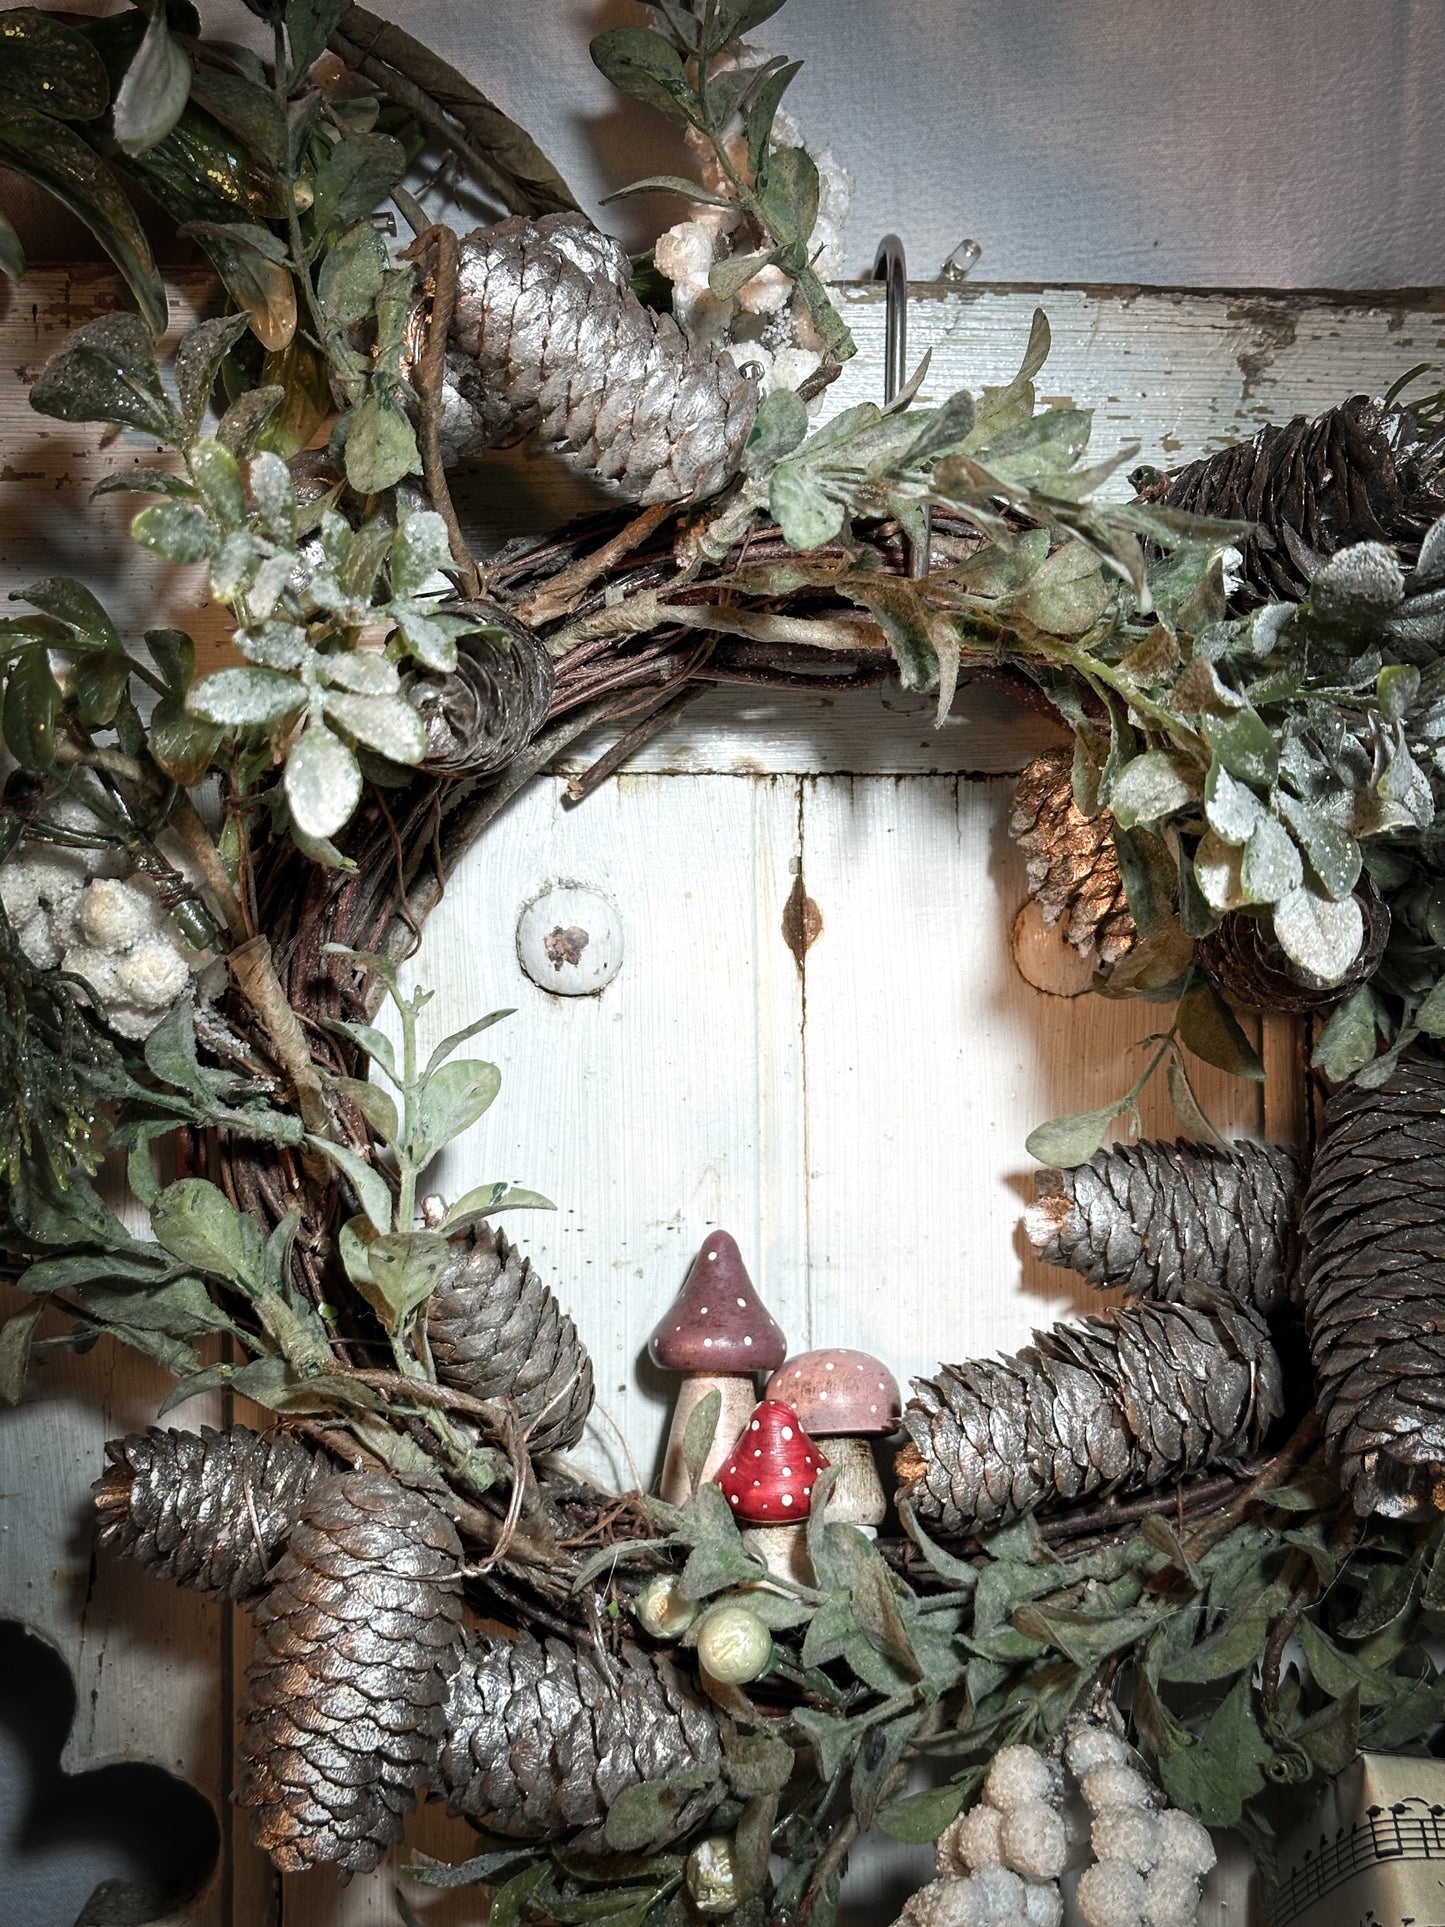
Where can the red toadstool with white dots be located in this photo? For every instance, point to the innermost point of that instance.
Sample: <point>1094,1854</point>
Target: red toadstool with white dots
<point>768,1479</point>
<point>844,1398</point>
<point>721,1334</point>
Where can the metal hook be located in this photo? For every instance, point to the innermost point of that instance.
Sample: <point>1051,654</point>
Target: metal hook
<point>890,266</point>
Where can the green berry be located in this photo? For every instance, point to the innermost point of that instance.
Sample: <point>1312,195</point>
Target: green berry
<point>661,1609</point>
<point>734,1645</point>
<point>711,1876</point>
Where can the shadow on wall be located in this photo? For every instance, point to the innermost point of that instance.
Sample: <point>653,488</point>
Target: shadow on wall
<point>114,1847</point>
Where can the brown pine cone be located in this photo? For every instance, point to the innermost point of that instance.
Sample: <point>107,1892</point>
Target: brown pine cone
<point>209,1511</point>
<point>1361,472</point>
<point>1073,867</point>
<point>1158,1219</point>
<point>1373,1273</point>
<point>492,704</point>
<point>497,1331</point>
<point>549,336</point>
<point>1136,1397</point>
<point>1242,957</point>
<point>356,1638</point>
<point>542,1739</point>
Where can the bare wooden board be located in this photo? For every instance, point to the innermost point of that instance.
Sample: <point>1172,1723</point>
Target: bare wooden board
<point>856,1118</point>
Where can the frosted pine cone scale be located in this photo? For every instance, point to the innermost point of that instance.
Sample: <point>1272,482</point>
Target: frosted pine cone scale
<point>209,1511</point>
<point>345,1709</point>
<point>549,338</point>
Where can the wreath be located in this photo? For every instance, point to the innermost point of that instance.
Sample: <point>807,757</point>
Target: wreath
<point>655,1707</point>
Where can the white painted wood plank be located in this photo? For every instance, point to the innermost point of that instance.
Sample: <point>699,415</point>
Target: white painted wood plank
<point>928,1061</point>
<point>1181,371</point>
<point>880,730</point>
<point>666,1106</point>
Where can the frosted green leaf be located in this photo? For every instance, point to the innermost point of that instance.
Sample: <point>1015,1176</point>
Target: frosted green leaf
<point>157,85</point>
<point>1320,936</point>
<point>366,672</point>
<point>1231,807</point>
<point>323,782</point>
<point>245,698</point>
<point>420,551</point>
<point>387,724</point>
<point>1149,787</point>
<point>1216,870</point>
<point>801,508</point>
<point>1270,866</point>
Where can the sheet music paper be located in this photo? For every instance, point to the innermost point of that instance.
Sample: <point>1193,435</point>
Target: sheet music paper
<point>1373,1852</point>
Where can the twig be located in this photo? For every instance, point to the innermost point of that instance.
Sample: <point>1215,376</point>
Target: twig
<point>446,1398</point>
<point>652,724</point>
<point>844,630</point>
<point>430,380</point>
<point>1290,1457</point>
<point>186,820</point>
<point>254,970</point>
<point>558,595</point>
<point>1306,1585</point>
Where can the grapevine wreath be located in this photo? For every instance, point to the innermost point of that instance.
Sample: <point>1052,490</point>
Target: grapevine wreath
<point>1161,1570</point>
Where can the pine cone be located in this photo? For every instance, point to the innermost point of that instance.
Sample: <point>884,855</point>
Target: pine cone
<point>356,1638</point>
<point>1242,957</point>
<point>1073,867</point>
<point>1373,1274</point>
<point>542,1739</point>
<point>209,1512</point>
<point>548,335</point>
<point>496,1331</point>
<point>1136,1397</point>
<point>492,704</point>
<point>1158,1219</point>
<point>1361,472</point>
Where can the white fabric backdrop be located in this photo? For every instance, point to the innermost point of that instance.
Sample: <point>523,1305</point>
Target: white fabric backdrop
<point>1226,143</point>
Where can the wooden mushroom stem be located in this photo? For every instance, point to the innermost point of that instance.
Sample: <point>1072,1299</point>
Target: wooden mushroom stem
<point>856,1495</point>
<point>738,1392</point>
<point>783,1550</point>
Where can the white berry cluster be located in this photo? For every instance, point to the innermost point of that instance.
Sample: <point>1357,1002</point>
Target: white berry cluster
<point>1149,1859</point>
<point>1000,1864</point>
<point>113,932</point>
<point>764,324</point>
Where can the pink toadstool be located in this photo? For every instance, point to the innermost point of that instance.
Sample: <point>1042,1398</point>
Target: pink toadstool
<point>844,1398</point>
<point>721,1334</point>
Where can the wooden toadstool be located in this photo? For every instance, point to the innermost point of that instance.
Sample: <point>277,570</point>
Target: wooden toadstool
<point>721,1334</point>
<point>844,1399</point>
<point>767,1480</point>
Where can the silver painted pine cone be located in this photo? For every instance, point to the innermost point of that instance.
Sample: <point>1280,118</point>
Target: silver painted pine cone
<point>1373,1274</point>
<point>345,1708</point>
<point>548,336</point>
<point>208,1511</point>
<point>542,1739</point>
<point>1153,1219</point>
<point>497,1331</point>
<point>491,705</point>
<point>1133,1398</point>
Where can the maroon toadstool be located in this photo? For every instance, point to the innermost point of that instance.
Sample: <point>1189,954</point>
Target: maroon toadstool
<point>721,1334</point>
<point>844,1398</point>
<point>768,1479</point>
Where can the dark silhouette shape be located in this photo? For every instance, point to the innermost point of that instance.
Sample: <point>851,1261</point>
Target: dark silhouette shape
<point>156,1837</point>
